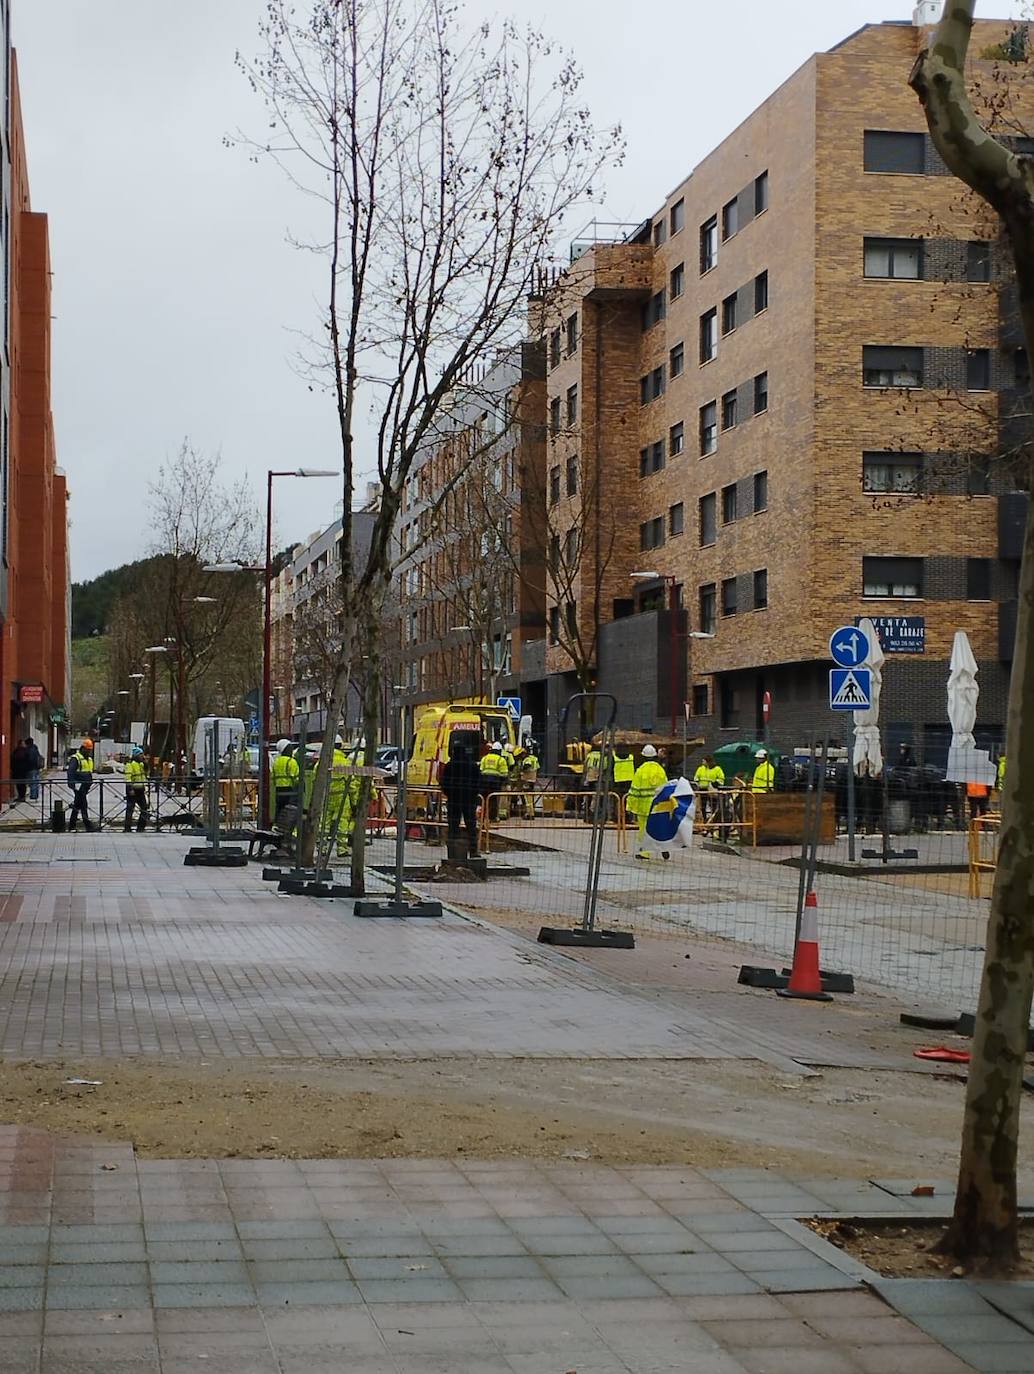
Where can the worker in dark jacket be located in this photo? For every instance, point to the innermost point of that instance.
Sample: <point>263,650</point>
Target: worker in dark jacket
<point>80,780</point>
<point>461,783</point>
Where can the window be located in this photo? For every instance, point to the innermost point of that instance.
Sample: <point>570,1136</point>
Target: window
<point>760,589</point>
<point>677,281</point>
<point>676,519</point>
<point>571,548</point>
<point>554,624</point>
<point>760,491</point>
<point>893,152</point>
<point>554,415</point>
<point>707,608</point>
<point>651,458</point>
<point>651,386</point>
<point>729,606</point>
<point>554,486</point>
<point>892,366</point>
<point>708,336</point>
<point>892,576</point>
<point>893,258</point>
<point>678,216</point>
<point>708,244</point>
<point>893,472</point>
<point>760,292</point>
<point>730,219</point>
<point>761,193</point>
<point>978,579</point>
<point>677,361</point>
<point>708,428</point>
<point>653,310</point>
<point>978,261</point>
<point>554,348</point>
<point>676,438</point>
<point>729,314</point>
<point>651,533</point>
<point>554,552</point>
<point>708,526</point>
<point>701,703</point>
<point>1021,368</point>
<point>729,504</point>
<point>978,475</point>
<point>978,369</point>
<point>572,405</point>
<point>572,334</point>
<point>572,476</point>
<point>659,234</point>
<point>760,393</point>
<point>729,410</point>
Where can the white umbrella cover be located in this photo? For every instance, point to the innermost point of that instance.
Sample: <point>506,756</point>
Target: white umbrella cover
<point>962,692</point>
<point>868,752</point>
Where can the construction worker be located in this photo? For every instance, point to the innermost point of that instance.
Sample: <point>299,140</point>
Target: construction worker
<point>979,794</point>
<point>459,783</point>
<point>494,771</point>
<point>623,768</point>
<point>1000,776</point>
<point>764,774</point>
<point>136,791</point>
<point>342,795</point>
<point>709,776</point>
<point>80,780</point>
<point>590,777</point>
<point>648,779</point>
<point>284,773</point>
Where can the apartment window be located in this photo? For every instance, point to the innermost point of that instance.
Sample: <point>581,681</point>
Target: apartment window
<point>978,260</point>
<point>978,579</point>
<point>892,366</point>
<point>554,552</point>
<point>978,475</point>
<point>1021,368</point>
<point>729,504</point>
<point>729,606</point>
<point>760,292</point>
<point>708,336</point>
<point>760,393</point>
<point>892,577</point>
<point>730,219</point>
<point>572,476</point>
<point>708,244</point>
<point>677,281</point>
<point>659,234</point>
<point>729,410</point>
<point>651,386</point>
<point>651,533</point>
<point>571,548</point>
<point>892,472</point>
<point>760,589</point>
<point>653,310</point>
<point>677,361</point>
<point>678,216</point>
<point>761,193</point>
<point>554,485</point>
<point>978,369</point>
<point>554,624</point>
<point>572,334</point>
<point>707,608</point>
<point>676,519</point>
<point>893,258</point>
<point>760,491</point>
<point>554,415</point>
<point>651,458</point>
<point>708,428</point>
<point>572,405</point>
<point>893,152</point>
<point>676,438</point>
<point>729,314</point>
<point>554,348</point>
<point>708,526</point>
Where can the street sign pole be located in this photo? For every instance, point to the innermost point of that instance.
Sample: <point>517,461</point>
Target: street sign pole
<point>850,793</point>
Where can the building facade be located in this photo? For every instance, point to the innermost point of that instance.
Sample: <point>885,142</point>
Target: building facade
<point>778,405</point>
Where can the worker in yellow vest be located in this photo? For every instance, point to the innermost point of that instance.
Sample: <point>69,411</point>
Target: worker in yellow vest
<point>494,771</point>
<point>709,776</point>
<point>648,779</point>
<point>136,790</point>
<point>764,774</point>
<point>285,772</point>
<point>622,771</point>
<point>1000,776</point>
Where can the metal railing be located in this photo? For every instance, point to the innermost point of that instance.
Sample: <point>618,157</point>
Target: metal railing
<point>984,835</point>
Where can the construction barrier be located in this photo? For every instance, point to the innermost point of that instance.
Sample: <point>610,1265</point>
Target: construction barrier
<point>984,836</point>
<point>729,815</point>
<point>522,809</point>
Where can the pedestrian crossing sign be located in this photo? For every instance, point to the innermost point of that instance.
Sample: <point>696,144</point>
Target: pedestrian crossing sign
<point>850,689</point>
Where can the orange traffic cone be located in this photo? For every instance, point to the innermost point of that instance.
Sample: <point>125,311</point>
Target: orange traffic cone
<point>805,979</point>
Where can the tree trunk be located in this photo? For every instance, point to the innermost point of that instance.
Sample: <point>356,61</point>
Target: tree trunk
<point>335,709</point>
<point>371,719</point>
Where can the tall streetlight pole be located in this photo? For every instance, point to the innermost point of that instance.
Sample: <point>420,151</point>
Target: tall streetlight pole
<point>267,625</point>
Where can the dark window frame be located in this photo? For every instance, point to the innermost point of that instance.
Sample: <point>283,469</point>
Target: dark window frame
<point>730,504</point>
<point>893,246</point>
<point>677,217</point>
<point>707,519</point>
<point>730,219</point>
<point>707,607</point>
<point>730,311</point>
<point>761,292</point>
<point>677,281</point>
<point>709,336</point>
<point>904,567</point>
<point>874,458</point>
<point>761,393</point>
<point>676,360</point>
<point>760,490</point>
<point>903,147</point>
<point>708,430</point>
<point>676,519</point>
<point>761,193</point>
<point>978,579</point>
<point>708,245</point>
<point>677,438</point>
<point>978,369</point>
<point>879,368</point>
<point>730,410</point>
<point>978,261</point>
<point>729,598</point>
<point>761,584</point>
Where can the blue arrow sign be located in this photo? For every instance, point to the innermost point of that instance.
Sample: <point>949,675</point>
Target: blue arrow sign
<point>511,704</point>
<point>850,689</point>
<point>848,646</point>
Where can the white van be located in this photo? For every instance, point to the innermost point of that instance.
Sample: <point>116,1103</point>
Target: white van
<point>232,734</point>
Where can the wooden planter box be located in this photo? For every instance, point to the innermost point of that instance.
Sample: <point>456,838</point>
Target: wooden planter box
<point>780,818</point>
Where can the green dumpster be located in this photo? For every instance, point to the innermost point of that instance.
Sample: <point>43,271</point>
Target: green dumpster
<point>738,758</point>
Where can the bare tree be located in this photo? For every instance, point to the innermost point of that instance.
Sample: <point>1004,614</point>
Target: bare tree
<point>446,161</point>
<point>984,1228</point>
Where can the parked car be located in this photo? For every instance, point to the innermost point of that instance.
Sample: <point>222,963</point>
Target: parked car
<point>387,757</point>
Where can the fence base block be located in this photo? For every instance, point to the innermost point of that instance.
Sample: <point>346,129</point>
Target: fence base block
<point>587,939</point>
<point>804,996</point>
<point>273,875</point>
<point>398,909</point>
<point>966,1025</point>
<point>832,981</point>
<point>215,858</point>
<point>929,1020</point>
<point>752,976</point>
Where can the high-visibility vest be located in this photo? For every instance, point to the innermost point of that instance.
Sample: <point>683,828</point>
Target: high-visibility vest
<point>530,763</point>
<point>977,789</point>
<point>624,767</point>
<point>83,762</point>
<point>593,760</point>
<point>764,777</point>
<point>285,771</point>
<point>135,773</point>
<point>649,778</point>
<point>1000,780</point>
<point>493,765</point>
<point>709,777</point>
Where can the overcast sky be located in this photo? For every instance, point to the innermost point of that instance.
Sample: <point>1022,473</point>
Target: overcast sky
<point>175,291</point>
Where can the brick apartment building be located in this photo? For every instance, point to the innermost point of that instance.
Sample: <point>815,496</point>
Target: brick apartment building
<point>34,569</point>
<point>782,395</point>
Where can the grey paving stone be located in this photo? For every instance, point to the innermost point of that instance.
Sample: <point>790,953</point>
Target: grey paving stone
<point>71,1364</point>
<point>753,1241</point>
<point>388,1246</point>
<point>187,1251</point>
<point>203,1295</point>
<point>24,1235</point>
<point>201,1272</point>
<point>21,1299</point>
<point>191,1321</point>
<point>706,1284</point>
<point>608,1266</point>
<point>23,1254</point>
<point>283,1230</point>
<point>106,1297</point>
<point>1016,1358</point>
<point>98,1235</point>
<point>801,1280</point>
<point>489,1245</point>
<point>253,1362</point>
<point>397,1267</point>
<point>915,1296</point>
<point>312,1294</point>
<point>493,1267</point>
<point>19,1355</point>
<point>971,1327</point>
<point>90,1275</point>
<point>581,1287</point>
<point>516,1290</point>
<point>286,1248</point>
<point>21,1275</point>
<point>705,1263</point>
<point>415,1290</point>
<point>299,1271</point>
<point>112,1252</point>
<point>574,1245</point>
<point>189,1230</point>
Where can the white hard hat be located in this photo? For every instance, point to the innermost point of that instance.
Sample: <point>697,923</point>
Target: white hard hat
<point>649,752</point>
<point>338,740</point>
<point>761,754</point>
<point>283,744</point>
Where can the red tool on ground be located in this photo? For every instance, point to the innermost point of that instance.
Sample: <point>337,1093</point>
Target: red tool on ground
<point>942,1054</point>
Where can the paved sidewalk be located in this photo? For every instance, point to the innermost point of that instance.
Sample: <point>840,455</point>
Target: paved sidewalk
<point>112,1265</point>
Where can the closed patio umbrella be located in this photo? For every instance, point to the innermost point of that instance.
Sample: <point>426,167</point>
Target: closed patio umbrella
<point>962,693</point>
<point>868,752</point>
